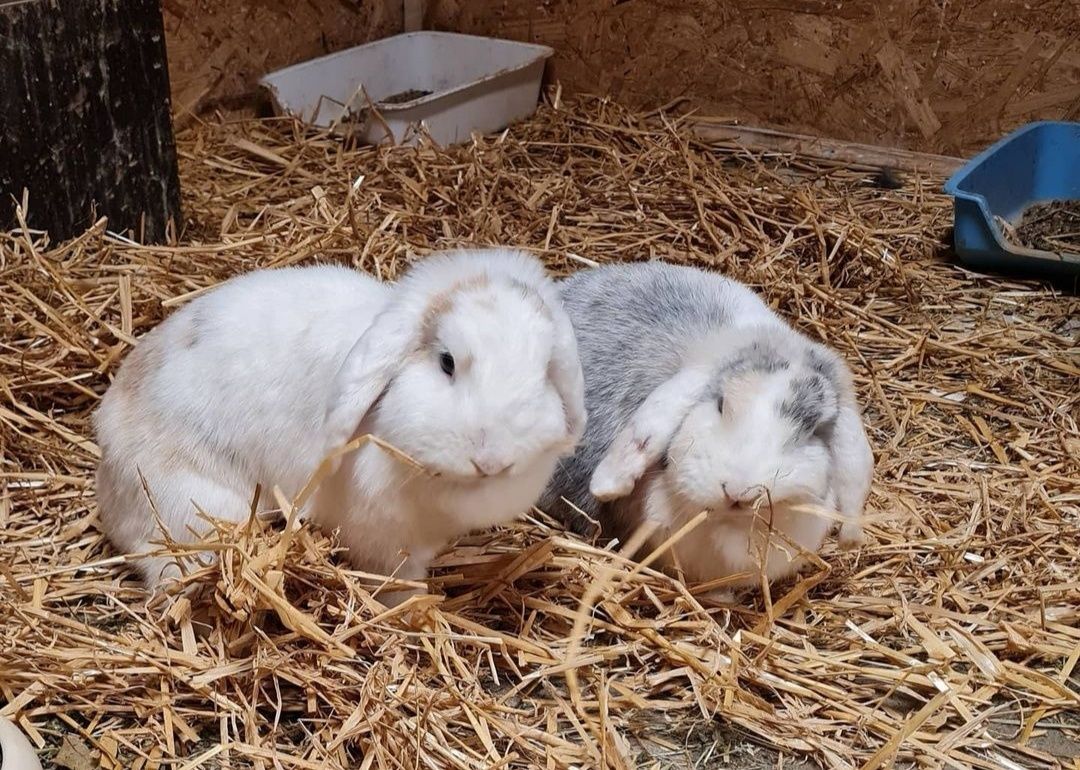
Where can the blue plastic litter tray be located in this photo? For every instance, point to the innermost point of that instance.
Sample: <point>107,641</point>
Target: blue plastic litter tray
<point>1037,163</point>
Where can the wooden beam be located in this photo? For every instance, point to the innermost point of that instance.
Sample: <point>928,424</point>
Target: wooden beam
<point>843,153</point>
<point>85,125</point>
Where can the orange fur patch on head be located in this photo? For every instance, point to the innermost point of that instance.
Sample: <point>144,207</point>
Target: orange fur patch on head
<point>442,303</point>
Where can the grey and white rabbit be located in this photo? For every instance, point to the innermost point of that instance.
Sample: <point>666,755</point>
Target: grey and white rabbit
<point>700,398</point>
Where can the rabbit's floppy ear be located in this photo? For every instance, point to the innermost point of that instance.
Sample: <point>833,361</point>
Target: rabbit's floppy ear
<point>564,368</point>
<point>645,438</point>
<point>367,371</point>
<point>565,371</point>
<point>852,471</point>
<point>850,458</point>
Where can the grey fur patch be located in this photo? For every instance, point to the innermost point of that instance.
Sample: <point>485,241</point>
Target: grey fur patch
<point>758,357</point>
<point>633,324</point>
<point>811,405</point>
<point>822,363</point>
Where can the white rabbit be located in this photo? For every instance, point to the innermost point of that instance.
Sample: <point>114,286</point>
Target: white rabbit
<point>16,751</point>
<point>469,365</point>
<point>700,398</point>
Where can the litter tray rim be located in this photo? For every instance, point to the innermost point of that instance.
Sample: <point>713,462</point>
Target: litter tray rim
<point>952,185</point>
<point>542,53</point>
<point>1006,249</point>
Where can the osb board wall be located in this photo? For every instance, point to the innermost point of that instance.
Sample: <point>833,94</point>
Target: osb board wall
<point>941,76</point>
<point>218,48</point>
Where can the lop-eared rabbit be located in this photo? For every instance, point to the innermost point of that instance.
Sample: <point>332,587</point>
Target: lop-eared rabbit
<point>468,365</point>
<point>700,398</point>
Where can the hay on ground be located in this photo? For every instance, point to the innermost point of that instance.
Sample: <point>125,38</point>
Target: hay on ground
<point>951,640</point>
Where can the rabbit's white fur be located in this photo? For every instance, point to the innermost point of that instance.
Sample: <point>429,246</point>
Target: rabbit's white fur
<point>257,380</point>
<point>700,398</point>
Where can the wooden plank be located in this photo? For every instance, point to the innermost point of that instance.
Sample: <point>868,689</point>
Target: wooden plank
<point>191,98</point>
<point>843,153</point>
<point>85,123</point>
<point>1042,103</point>
<point>901,74</point>
<point>808,54</point>
<point>412,14</point>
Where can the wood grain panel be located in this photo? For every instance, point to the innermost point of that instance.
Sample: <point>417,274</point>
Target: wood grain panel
<point>219,48</point>
<point>932,76</point>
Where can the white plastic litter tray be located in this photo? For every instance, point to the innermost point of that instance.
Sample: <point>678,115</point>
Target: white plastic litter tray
<point>448,84</point>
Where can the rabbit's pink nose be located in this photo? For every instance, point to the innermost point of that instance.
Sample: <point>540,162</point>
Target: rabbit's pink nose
<point>489,466</point>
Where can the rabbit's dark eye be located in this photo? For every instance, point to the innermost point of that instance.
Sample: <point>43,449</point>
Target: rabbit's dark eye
<point>446,362</point>
<point>720,404</point>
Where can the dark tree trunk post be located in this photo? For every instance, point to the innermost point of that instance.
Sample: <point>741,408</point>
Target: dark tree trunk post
<point>85,123</point>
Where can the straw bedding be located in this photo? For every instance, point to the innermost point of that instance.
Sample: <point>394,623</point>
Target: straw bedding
<point>950,640</point>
